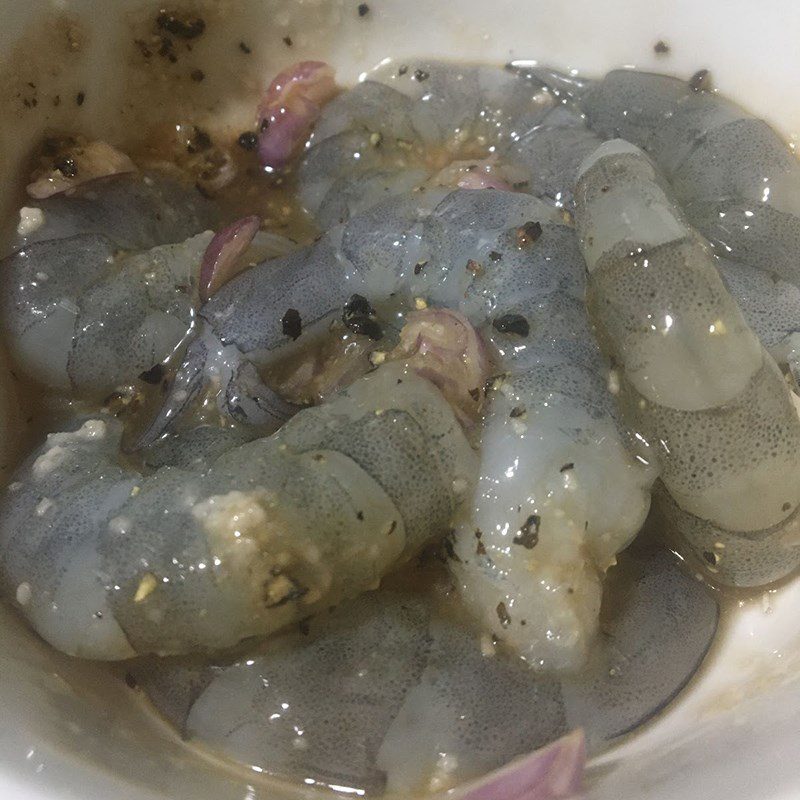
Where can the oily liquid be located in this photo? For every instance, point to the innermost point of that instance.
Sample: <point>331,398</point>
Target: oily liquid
<point>189,145</point>
<point>254,192</point>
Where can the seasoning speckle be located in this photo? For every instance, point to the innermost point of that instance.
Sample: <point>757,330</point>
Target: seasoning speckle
<point>568,466</point>
<point>661,47</point>
<point>154,375</point>
<point>420,75</point>
<point>291,323</point>
<point>528,535</point>
<point>248,140</point>
<point>146,587</point>
<point>419,266</point>
<point>24,593</point>
<point>287,40</point>
<point>700,81</point>
<point>528,233</point>
<point>244,48</point>
<point>363,9</point>
<point>358,316</point>
<point>495,256</point>
<point>80,97</point>
<point>502,614</point>
<point>512,323</point>
<point>182,28</point>
<point>402,70</point>
<point>197,75</point>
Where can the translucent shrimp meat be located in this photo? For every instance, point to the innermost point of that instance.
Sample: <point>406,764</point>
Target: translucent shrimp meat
<point>694,381</point>
<point>388,693</point>
<point>559,494</point>
<point>104,289</point>
<point>737,180</point>
<point>106,562</point>
<point>403,124</point>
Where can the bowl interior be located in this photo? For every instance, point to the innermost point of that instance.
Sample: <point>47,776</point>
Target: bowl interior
<point>70,733</point>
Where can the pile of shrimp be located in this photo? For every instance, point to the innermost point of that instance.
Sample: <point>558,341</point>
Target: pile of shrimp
<point>539,312</point>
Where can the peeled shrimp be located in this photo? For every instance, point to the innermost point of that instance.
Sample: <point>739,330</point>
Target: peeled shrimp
<point>693,379</point>
<point>389,693</point>
<point>558,494</point>
<point>398,128</point>
<point>108,562</point>
<point>98,293</point>
<point>737,181</point>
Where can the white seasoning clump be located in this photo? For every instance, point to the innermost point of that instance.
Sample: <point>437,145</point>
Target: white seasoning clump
<point>30,220</point>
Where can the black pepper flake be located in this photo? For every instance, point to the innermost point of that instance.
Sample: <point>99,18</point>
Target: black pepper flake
<point>287,40</point>
<point>365,326</point>
<point>568,466</point>
<point>363,9</point>
<point>495,256</point>
<point>449,549</point>
<point>199,142</point>
<point>661,47</point>
<point>392,528</point>
<point>244,48</point>
<point>512,323</point>
<point>57,100</point>
<point>420,75</point>
<point>153,375</point>
<point>480,550</point>
<point>419,266</point>
<point>402,70</point>
<point>700,81</point>
<point>291,324</point>
<point>182,28</point>
<point>528,233</point>
<point>475,267</point>
<point>475,394</point>
<point>130,680</point>
<point>710,558</point>
<point>360,516</point>
<point>528,535</point>
<point>264,125</point>
<point>143,48</point>
<point>67,167</point>
<point>786,506</point>
<point>80,97</point>
<point>358,316</point>
<point>197,75</point>
<point>304,627</point>
<point>166,50</point>
<point>248,140</point>
<point>502,614</point>
<point>517,411</point>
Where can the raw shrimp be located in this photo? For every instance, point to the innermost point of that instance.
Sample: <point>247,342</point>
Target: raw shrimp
<point>503,259</point>
<point>403,124</point>
<point>389,693</point>
<point>380,254</point>
<point>693,379</point>
<point>558,494</point>
<point>98,291</point>
<point>107,562</point>
<point>737,181</point>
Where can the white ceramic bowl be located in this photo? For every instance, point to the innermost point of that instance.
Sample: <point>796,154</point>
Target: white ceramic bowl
<point>65,731</point>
